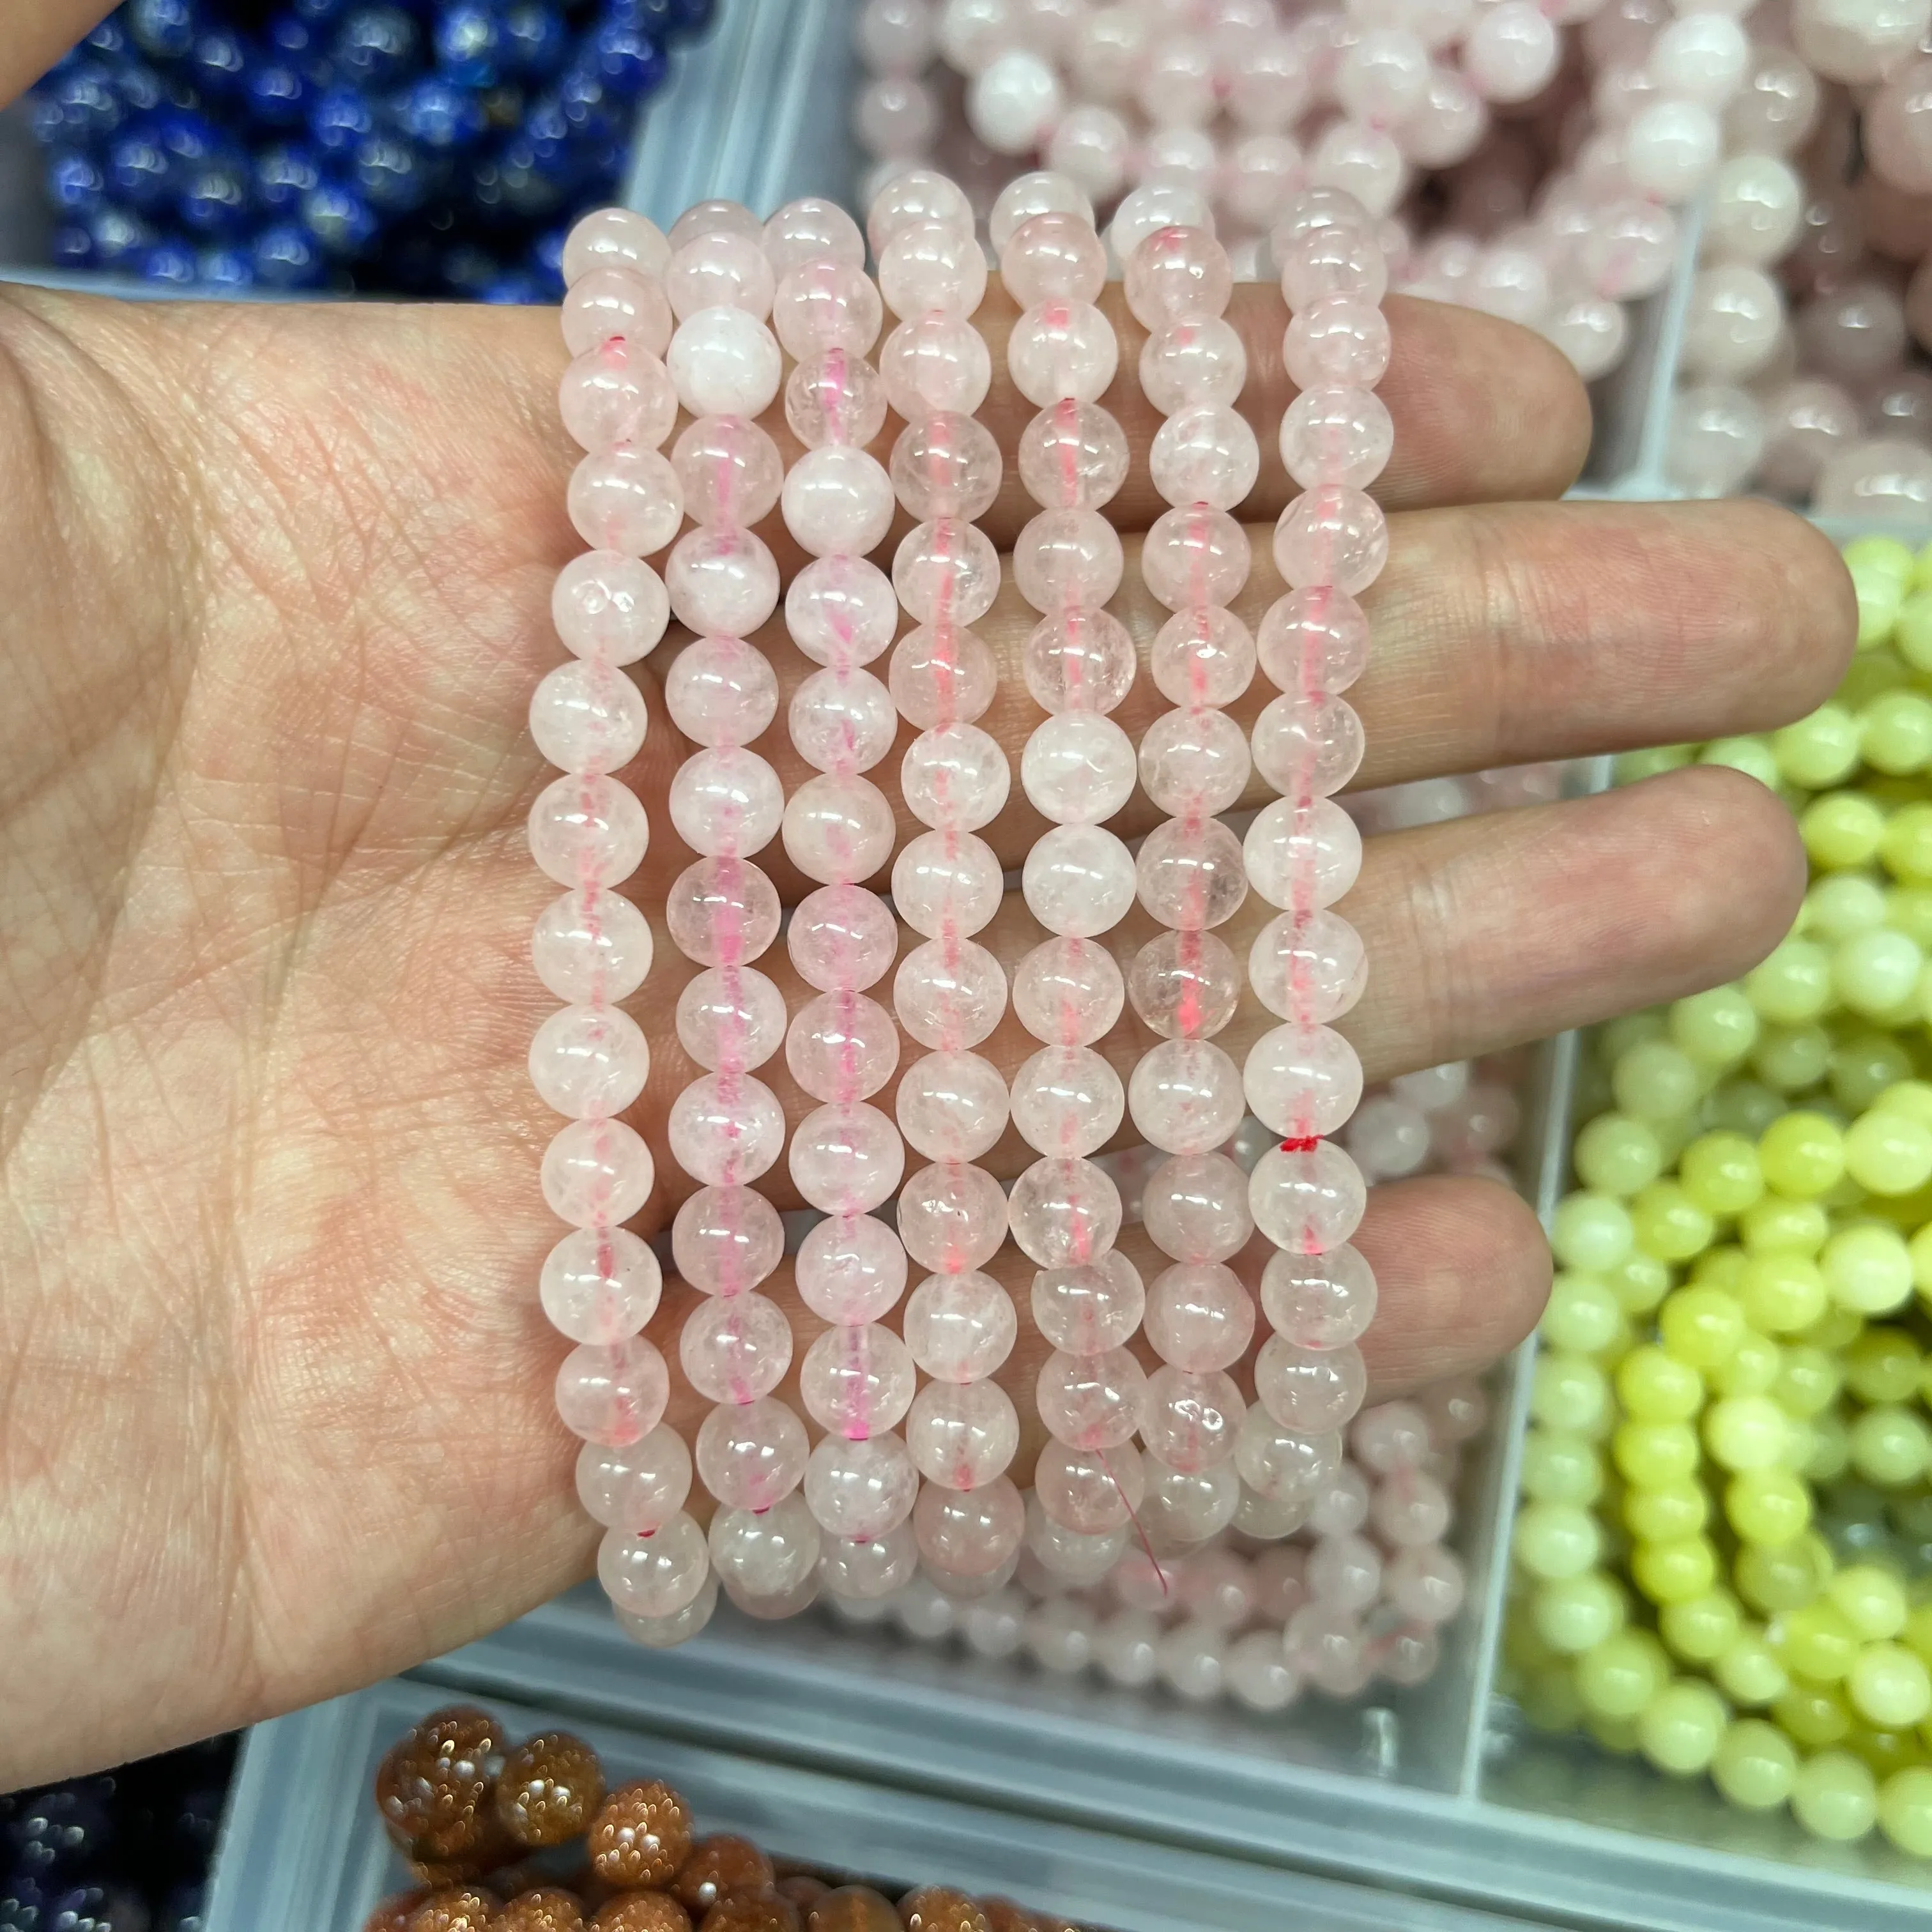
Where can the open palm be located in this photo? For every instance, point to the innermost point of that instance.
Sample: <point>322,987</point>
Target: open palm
<point>274,1389</point>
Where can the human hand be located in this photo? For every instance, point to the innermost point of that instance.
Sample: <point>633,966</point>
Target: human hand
<point>276,1417</point>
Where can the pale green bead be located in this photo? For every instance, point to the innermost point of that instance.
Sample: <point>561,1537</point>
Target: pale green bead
<point>1886,1153</point>
<point>1776,1225</point>
<point>1614,1038</point>
<point>1616,1155</point>
<point>1876,971</point>
<point>1895,734</point>
<point>1778,1578</point>
<point>1890,1687</point>
<point>1802,1154</point>
<point>1701,1628</point>
<point>1721,1173</point>
<point>1554,1540</point>
<point>1755,1765</point>
<point>1863,1067</point>
<point>1871,674</point>
<point>1721,1267</point>
<point>1871,1600</point>
<point>1835,1797</point>
<point>1662,1513</point>
<point>1680,1728</point>
<point>1569,1392</point>
<point>1590,1232</point>
<point>1912,630</point>
<point>1750,1369</point>
<point>1905,846</point>
<point>1619,1676</point>
<point>1701,1325</point>
<point>1633,767</point>
<point>1868,1269</point>
<point>1843,830</point>
<point>1749,1672</point>
<point>1560,1467</point>
<point>1808,1380</point>
<point>1890,1446</point>
<point>1667,1223</point>
<point>1819,750</point>
<point>1655,1455</point>
<point>1581,1314</point>
<point>1752,756</point>
<point>1830,1448</point>
<point>1882,558</point>
<point>1742,1106</point>
<point>1745,1432</point>
<point>1791,1059</point>
<point>1781,1292</point>
<point>1908,909</point>
<point>1639,1282</point>
<point>1912,1098</point>
<point>1884,1364</point>
<point>1655,1081</point>
<point>1921,1245</point>
<point>1654,1386</point>
<point>1717,1028</point>
<point>1793,985</point>
<point>1842,903</point>
<point>1769,1506</point>
<point>1575,1613</point>
<point>1905,1810</point>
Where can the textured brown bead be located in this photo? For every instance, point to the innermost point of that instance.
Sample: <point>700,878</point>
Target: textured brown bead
<point>642,1911</point>
<point>433,1786</point>
<point>718,1865</point>
<point>394,1912</point>
<point>457,1908</point>
<point>1002,1915</point>
<point>642,1836</point>
<point>854,1908</point>
<point>802,1888</point>
<point>764,1909</point>
<point>549,1789</point>
<point>547,1909</point>
<point>939,1908</point>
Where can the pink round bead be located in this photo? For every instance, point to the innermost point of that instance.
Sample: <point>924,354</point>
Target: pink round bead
<point>961,1435</point>
<point>933,362</point>
<point>1345,1572</point>
<point>608,303</point>
<point>1425,1582</point>
<point>1068,992</point>
<point>600,1285</point>
<point>614,1393</point>
<point>1342,259</point>
<point>1330,534</point>
<point>719,691</point>
<point>857,1381</point>
<point>724,362</point>
<point>596,1173</point>
<point>955,778</point>
<point>850,1269</point>
<point>1278,1464</point>
<point>834,398</point>
<point>1188,1422</point>
<point>722,581</point>
<point>960,1326</point>
<point>1411,1509</point>
<point>588,716</point>
<point>1308,747</point>
<point>1314,640</point>
<point>1178,275</point>
<point>1199,1317</point>
<point>589,1061</point>
<point>735,1349</point>
<point>1190,873</point>
<point>951,1107</point>
<point>1205,453</point>
<point>947,885</point>
<point>1195,1208</point>
<point>841,936</point>
<point>846,1159</point>
<point>932,265</point>
<point>1186,1096</point>
<point>1064,558</point>
<point>1079,660</point>
<point>1307,1200</point>
<point>1341,1506</point>
<point>1203,656</point>
<point>842,610</point>
<point>837,498</point>
<point>726,1129</point>
<point>1062,348</point>
<point>1089,1308</point>
<point>949,994</point>
<point>1194,762</point>
<point>730,1019</point>
<point>1310,1391</point>
<point>945,466</point>
<point>1196,554</point>
<point>941,676</point>
<point>719,269</point>
<point>1339,340</point>
<point>1303,854</point>
<point>1091,1402</point>
<point>1063,1212</point>
<point>1089,1492</point>
<point>609,607</point>
<point>1319,1301</point>
<point>862,1489</point>
<point>826,304</point>
<point>1336,436</point>
<point>1077,768</point>
<point>729,470</point>
<point>752,1456</point>
<point>1303,1081</point>
<point>722,911</point>
<point>656,1575</point>
<point>1310,968</point>
<point>725,1240</point>
<point>626,499</point>
<point>1054,256</point>
<point>636,1488</point>
<point>587,831</point>
<point>1190,363</point>
<point>1067,1101</point>
<point>769,1556</point>
<point>841,1046</point>
<point>1073,456</point>
<point>969,1533</point>
<point>947,572</point>
<point>837,829</point>
<point>1390,1436</point>
<point>614,238</point>
<point>1077,880</point>
<point>726,802</point>
<point>617,391</point>
<point>592,945</point>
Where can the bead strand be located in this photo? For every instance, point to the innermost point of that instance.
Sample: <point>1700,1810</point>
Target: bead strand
<point>950,991</point>
<point>846,1159</point>
<point>1303,852</point>
<point>592,947</point>
<point>963,1430</point>
<point>727,1128</point>
<point>1185,1095</point>
<point>1078,769</point>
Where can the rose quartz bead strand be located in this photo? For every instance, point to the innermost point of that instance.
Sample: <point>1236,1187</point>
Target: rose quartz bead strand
<point>1303,853</point>
<point>963,1429</point>
<point>857,1379</point>
<point>950,991</point>
<point>601,1284</point>
<point>1185,1095</point>
<point>726,1128</point>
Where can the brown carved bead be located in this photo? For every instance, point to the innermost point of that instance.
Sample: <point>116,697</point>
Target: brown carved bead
<point>395,1913</point>
<point>1002,1915</point>
<point>940,1908</point>
<point>763,1909</point>
<point>433,1786</point>
<point>457,1908</point>
<point>802,1888</point>
<point>549,1789</point>
<point>642,1836</point>
<point>854,1908</point>
<point>642,1911</point>
<point>721,1863</point>
<point>547,1909</point>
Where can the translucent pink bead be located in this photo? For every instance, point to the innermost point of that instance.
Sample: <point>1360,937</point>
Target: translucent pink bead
<point>945,466</point>
<point>752,1456</point>
<point>1077,880</point>
<point>936,361</point>
<point>918,194</point>
<point>1339,340</point>
<point>1194,762</point>
<point>1308,747</point>
<point>722,912</point>
<point>1195,554</point>
<point>837,498</point>
<point>638,1487</point>
<point>724,362</point>
<point>705,217</point>
<point>600,1285</point>
<point>721,581</point>
<point>1027,195</point>
<point>609,607</point>
<point>1390,1436</point>
<point>655,1575</point>
<point>1411,1509</point>
<point>941,676</point>
<point>960,1326</point>
<point>851,1270</point>
<point>1199,1317</point>
<point>771,1554</point>
<point>616,302</point>
<point>841,1046</point>
<point>1345,1572</point>
<point>961,1435</point>
<point>1511,52</point>
<point>1308,1390</point>
<point>590,944</point>
<point>846,1158</point>
<point>1053,255</point>
<point>1089,1492</point>
<point>1319,1301</point>
<point>862,1489</point>
<point>1303,854</point>
<point>589,1061</point>
<point>866,1569</point>
<point>841,936</point>
<point>1341,1506</point>
<point>837,829</point>
<point>1190,873</point>
<point>812,228</point>
<point>1063,1212</point>
<point>1186,1095</point>
<point>1307,1200</point>
<point>614,1393</point>
<point>945,572</point>
<point>1388,1137</point>
<point>596,1173</point>
<point>1302,1081</point>
<point>1188,1422</point>
<point>1072,1560</point>
<point>614,238</point>
<point>726,802</point>
<point>1314,640</point>
<point>835,397</point>
<point>1063,558</point>
<point>842,720</point>
<point>1073,455</point>
<point>719,691</point>
<point>1425,1583</point>
<point>1331,535</point>
<point>955,778</point>
<point>1203,656</point>
<point>1186,1507</point>
<point>1091,1402</point>
<point>626,499</point>
<point>729,470</point>
<point>1067,1101</point>
<point>1062,348</point>
<point>617,391</point>
<point>824,305</point>
<point>1342,259</point>
<point>951,1107</point>
<point>947,885</point>
<point>842,610</point>
<point>726,1129</point>
<point>969,1533</point>
<point>1089,1308</point>
<point>1077,768</point>
<point>1068,991</point>
<point>1310,969</point>
<point>1079,660</point>
<point>1194,1207</point>
<point>1336,436</point>
<point>735,1349</point>
<point>857,1381</point>
<point>725,1240</point>
<point>587,831</point>
<point>1177,274</point>
<point>1204,453</point>
<point>932,265</point>
<point>1276,1463</point>
<point>1193,363</point>
<point>719,269</point>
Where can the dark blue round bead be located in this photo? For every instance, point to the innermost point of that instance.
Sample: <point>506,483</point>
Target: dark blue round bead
<point>693,16</point>
<point>166,262</point>
<point>189,137</point>
<point>69,1827</point>
<point>71,246</point>
<point>75,183</point>
<point>97,1908</point>
<point>469,42</point>
<point>185,1910</point>
<point>441,115</point>
<point>77,102</point>
<point>110,38</point>
<point>163,29</point>
<point>277,92</point>
<point>23,1898</point>
<point>286,255</point>
<point>590,107</point>
<point>225,268</point>
<point>393,173</point>
<point>140,89</point>
<point>217,63</point>
<point>340,117</point>
<point>289,34</point>
<point>339,218</point>
<point>140,170</point>
<point>316,13</point>
<point>515,181</point>
<point>630,63</point>
<point>283,174</point>
<point>376,45</point>
<point>213,198</point>
<point>535,38</point>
